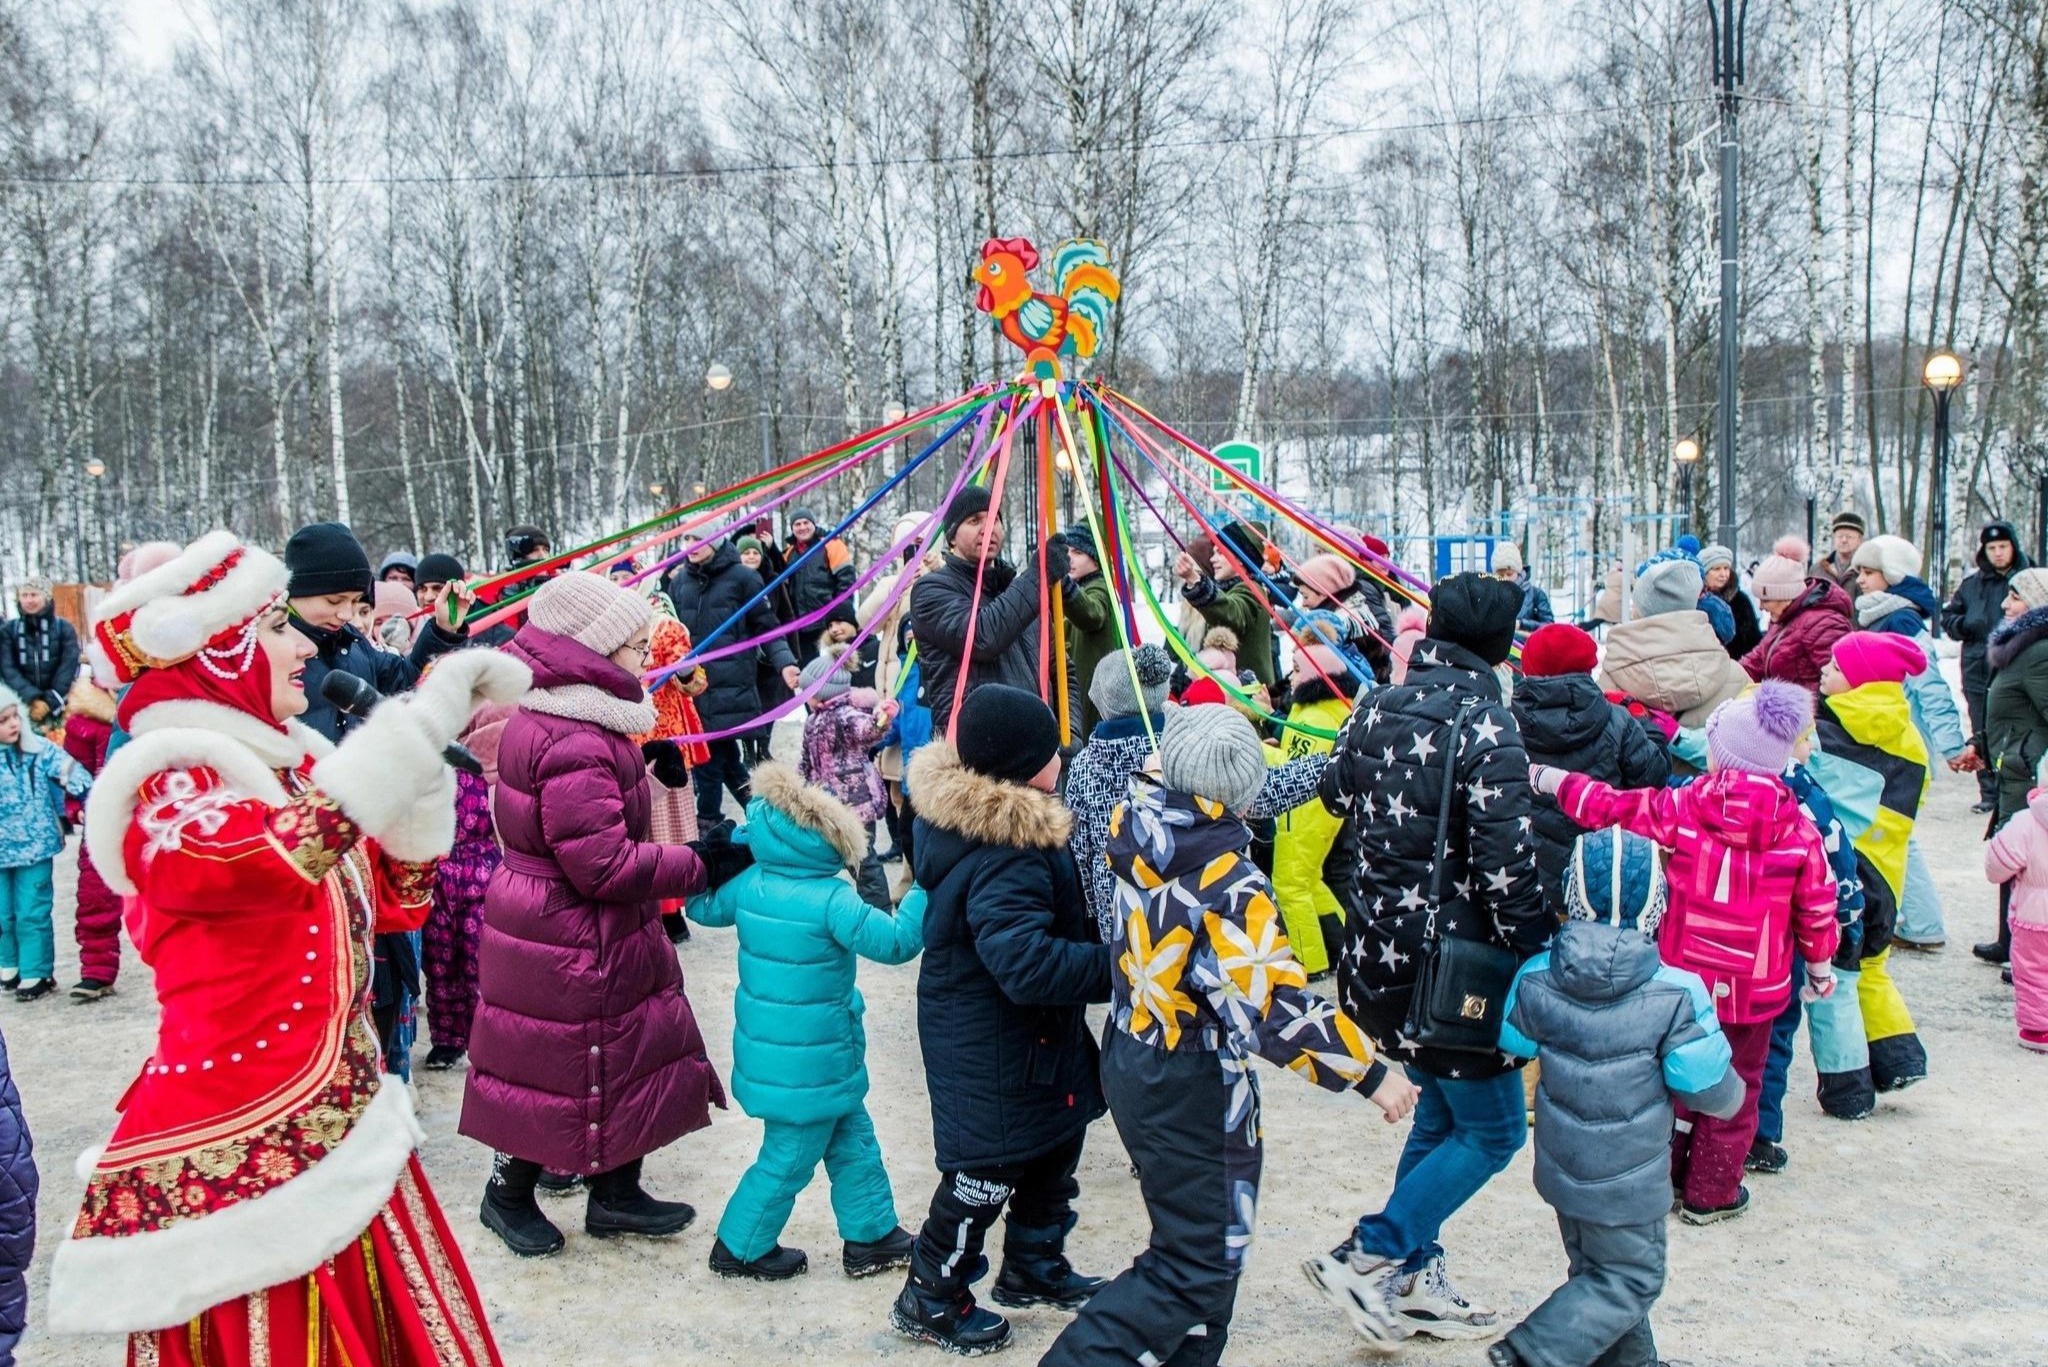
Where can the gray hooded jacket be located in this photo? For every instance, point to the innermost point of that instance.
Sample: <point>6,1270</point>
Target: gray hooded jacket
<point>1619,1033</point>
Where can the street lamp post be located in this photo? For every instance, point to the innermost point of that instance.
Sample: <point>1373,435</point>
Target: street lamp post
<point>1942,373</point>
<point>1686,455</point>
<point>1726,20</point>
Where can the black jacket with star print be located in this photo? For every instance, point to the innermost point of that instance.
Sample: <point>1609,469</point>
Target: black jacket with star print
<point>1387,781</point>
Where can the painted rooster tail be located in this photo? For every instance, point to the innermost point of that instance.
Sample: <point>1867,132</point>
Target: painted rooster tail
<point>1082,276</point>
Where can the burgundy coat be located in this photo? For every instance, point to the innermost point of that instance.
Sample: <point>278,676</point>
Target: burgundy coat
<point>585,1054</point>
<point>1799,644</point>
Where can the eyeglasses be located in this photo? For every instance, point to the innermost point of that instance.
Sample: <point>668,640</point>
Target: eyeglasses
<point>644,649</point>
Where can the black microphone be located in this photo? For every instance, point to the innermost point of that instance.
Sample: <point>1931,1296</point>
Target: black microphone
<point>357,698</point>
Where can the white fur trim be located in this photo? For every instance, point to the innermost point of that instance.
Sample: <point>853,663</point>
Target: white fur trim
<point>389,778</point>
<point>166,1276</point>
<point>88,1159</point>
<point>278,749</point>
<point>588,702</point>
<point>111,804</point>
<point>170,623</point>
<point>458,684</point>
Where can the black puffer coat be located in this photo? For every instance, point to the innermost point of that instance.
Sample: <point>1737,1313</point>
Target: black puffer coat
<point>1005,637</point>
<point>39,657</point>
<point>1387,779</point>
<point>1010,961</point>
<point>1568,723</point>
<point>1977,607</point>
<point>2016,712</point>
<point>705,596</point>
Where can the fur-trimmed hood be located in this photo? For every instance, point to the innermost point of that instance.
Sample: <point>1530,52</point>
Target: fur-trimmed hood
<point>983,810</point>
<point>88,699</point>
<point>793,823</point>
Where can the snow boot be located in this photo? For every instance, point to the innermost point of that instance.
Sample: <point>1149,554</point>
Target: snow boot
<point>890,1251</point>
<point>1765,1156</point>
<point>950,1321</point>
<point>510,1212</point>
<point>557,1183</point>
<point>1036,1271</point>
<point>778,1264</point>
<point>619,1206</point>
<point>91,990</point>
<point>442,1057</point>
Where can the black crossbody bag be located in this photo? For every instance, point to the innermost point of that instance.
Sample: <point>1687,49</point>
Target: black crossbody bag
<point>1462,985</point>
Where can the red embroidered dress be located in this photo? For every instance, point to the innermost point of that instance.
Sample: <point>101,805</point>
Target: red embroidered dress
<point>259,1201</point>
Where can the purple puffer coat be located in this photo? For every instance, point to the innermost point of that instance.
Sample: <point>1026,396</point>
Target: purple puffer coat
<point>585,1054</point>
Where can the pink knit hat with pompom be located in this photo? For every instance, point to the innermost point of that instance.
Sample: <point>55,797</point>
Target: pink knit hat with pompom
<point>1754,734</point>
<point>1781,574</point>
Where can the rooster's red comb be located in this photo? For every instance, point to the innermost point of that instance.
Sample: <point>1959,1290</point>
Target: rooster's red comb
<point>1019,247</point>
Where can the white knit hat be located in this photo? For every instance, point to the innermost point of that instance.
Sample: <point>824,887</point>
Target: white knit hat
<point>2030,587</point>
<point>589,609</point>
<point>1211,751</point>
<point>1507,556</point>
<point>1894,557</point>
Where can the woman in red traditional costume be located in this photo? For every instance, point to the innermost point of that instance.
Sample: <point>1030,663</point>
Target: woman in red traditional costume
<point>259,1201</point>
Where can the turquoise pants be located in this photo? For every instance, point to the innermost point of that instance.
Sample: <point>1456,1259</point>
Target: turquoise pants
<point>1920,917</point>
<point>27,941</point>
<point>861,1200</point>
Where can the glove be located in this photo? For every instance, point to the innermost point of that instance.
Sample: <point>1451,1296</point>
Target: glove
<point>388,776</point>
<point>1546,779</point>
<point>1820,983</point>
<point>723,858</point>
<point>665,758</point>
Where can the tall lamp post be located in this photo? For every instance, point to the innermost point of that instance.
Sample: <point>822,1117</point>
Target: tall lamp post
<point>1726,20</point>
<point>1685,455</point>
<point>1942,373</point>
<point>718,379</point>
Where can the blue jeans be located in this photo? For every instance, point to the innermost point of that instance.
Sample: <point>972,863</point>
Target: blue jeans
<point>1463,1133</point>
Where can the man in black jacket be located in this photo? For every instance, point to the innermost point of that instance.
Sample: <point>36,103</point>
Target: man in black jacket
<point>1010,963</point>
<point>1442,737</point>
<point>330,575</point>
<point>708,588</point>
<point>1005,627</point>
<point>39,653</point>
<point>1970,616</point>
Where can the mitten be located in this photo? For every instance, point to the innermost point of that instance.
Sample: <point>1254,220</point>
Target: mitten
<point>723,857</point>
<point>1546,779</point>
<point>665,758</point>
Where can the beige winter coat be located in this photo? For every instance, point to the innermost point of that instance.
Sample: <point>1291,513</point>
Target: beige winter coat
<point>1672,662</point>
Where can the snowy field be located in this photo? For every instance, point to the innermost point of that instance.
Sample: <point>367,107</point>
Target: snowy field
<point>1911,1239</point>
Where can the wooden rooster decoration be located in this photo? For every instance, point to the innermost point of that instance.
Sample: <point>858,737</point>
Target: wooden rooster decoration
<point>1068,322</point>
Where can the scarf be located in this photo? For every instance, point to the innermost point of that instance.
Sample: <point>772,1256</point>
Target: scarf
<point>589,703</point>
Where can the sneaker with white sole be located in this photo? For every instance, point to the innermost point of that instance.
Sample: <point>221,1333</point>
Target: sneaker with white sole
<point>1356,1283</point>
<point>1426,1303</point>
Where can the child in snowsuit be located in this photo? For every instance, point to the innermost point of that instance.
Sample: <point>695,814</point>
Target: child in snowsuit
<point>1010,962</point>
<point>88,733</point>
<point>1751,893</point>
<point>1620,1034</point>
<point>1205,981</point>
<point>799,1052</point>
<point>1323,688</point>
<point>1873,763</point>
<point>2018,855</point>
<point>842,732</point>
<point>35,778</point>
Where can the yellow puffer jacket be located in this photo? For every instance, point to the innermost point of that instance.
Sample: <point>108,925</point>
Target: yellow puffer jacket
<point>1304,839</point>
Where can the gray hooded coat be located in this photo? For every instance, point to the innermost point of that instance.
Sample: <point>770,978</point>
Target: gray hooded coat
<point>1619,1032</point>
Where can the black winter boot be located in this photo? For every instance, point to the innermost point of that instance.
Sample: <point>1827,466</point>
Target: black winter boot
<point>1036,1271</point>
<point>948,1319</point>
<point>510,1212</point>
<point>618,1206</point>
<point>891,1250</point>
<point>778,1264</point>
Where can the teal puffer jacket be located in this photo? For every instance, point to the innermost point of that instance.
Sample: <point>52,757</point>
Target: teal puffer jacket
<point>799,1050</point>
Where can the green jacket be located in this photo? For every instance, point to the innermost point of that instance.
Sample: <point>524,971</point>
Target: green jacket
<point>1091,639</point>
<point>1231,604</point>
<point>799,1049</point>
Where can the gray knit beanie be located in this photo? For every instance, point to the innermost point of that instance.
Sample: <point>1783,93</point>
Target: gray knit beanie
<point>589,609</point>
<point>826,666</point>
<point>1668,586</point>
<point>1110,689</point>
<point>1211,751</point>
<point>1715,555</point>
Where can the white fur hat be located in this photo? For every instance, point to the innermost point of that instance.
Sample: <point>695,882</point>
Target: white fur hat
<point>214,586</point>
<point>1894,557</point>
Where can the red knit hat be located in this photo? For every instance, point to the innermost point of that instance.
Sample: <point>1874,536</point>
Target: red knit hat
<point>1866,657</point>
<point>1559,648</point>
<point>1203,690</point>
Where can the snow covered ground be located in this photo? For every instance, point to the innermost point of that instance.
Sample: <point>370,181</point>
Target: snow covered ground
<point>1912,1239</point>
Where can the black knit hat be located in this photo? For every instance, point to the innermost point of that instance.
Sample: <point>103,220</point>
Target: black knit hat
<point>969,501</point>
<point>1476,611</point>
<point>1247,542</point>
<point>1006,733</point>
<point>1079,538</point>
<point>324,558</point>
<point>1999,531</point>
<point>438,568</point>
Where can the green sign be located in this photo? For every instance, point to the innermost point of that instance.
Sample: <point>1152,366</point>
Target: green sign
<point>1241,456</point>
